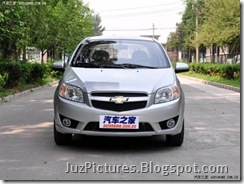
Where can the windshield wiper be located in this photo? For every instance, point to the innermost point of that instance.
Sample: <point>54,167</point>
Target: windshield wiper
<point>124,65</point>
<point>128,65</point>
<point>88,65</point>
<point>112,66</point>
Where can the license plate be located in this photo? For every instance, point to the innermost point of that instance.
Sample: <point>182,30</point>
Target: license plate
<point>119,122</point>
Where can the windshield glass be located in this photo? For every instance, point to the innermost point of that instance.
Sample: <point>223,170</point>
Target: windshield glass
<point>121,54</point>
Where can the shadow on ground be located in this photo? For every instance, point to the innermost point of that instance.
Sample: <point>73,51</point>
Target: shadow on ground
<point>119,144</point>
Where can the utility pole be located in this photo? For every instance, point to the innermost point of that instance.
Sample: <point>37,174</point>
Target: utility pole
<point>153,29</point>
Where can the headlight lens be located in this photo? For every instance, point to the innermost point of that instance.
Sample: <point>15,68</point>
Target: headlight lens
<point>167,94</point>
<point>71,93</point>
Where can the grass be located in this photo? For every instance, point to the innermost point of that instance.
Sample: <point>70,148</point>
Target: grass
<point>17,89</point>
<point>217,79</point>
<point>23,87</point>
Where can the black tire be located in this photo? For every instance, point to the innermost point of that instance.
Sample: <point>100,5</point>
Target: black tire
<point>176,140</point>
<point>62,139</point>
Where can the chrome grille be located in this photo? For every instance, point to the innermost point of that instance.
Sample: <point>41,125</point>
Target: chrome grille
<point>113,94</point>
<point>118,101</point>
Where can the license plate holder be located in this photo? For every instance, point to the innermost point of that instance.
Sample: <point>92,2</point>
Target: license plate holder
<point>118,122</point>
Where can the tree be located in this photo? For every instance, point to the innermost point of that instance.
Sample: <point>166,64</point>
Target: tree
<point>38,23</point>
<point>186,29</point>
<point>176,39</point>
<point>11,29</point>
<point>218,24</point>
<point>47,25</point>
<point>68,22</point>
<point>172,42</point>
<point>221,24</point>
<point>98,29</point>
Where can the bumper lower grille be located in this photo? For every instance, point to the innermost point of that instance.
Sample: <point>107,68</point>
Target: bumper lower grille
<point>94,126</point>
<point>119,107</point>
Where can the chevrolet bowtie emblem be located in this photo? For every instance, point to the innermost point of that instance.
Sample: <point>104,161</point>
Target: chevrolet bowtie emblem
<point>119,99</point>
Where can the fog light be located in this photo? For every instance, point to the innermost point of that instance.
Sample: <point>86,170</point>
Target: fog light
<point>66,122</point>
<point>170,123</point>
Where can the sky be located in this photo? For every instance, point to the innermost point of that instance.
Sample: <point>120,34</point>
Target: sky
<point>137,17</point>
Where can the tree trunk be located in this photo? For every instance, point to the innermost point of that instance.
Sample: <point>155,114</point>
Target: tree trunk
<point>43,53</point>
<point>42,56</point>
<point>24,53</point>
<point>212,54</point>
<point>53,52</point>
<point>217,55</point>
<point>225,58</point>
<point>177,55</point>
<point>189,55</point>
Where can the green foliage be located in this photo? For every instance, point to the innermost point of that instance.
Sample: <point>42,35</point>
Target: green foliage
<point>98,29</point>
<point>182,38</point>
<point>174,64</point>
<point>52,25</point>
<point>37,73</point>
<point>173,42</point>
<point>50,71</point>
<point>221,23</point>
<point>11,29</point>
<point>212,69</point>
<point>218,22</point>
<point>2,81</point>
<point>217,79</point>
<point>14,73</point>
<point>73,22</point>
<point>189,23</point>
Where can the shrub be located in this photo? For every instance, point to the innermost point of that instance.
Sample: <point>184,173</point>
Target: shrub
<point>21,72</point>
<point>2,82</point>
<point>50,71</point>
<point>37,73</point>
<point>14,72</point>
<point>228,71</point>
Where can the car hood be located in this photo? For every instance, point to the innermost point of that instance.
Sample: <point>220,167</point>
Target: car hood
<point>133,80</point>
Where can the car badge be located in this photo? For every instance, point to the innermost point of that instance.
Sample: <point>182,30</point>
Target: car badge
<point>119,99</point>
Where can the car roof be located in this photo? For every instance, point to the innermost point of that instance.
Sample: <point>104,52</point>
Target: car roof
<point>100,38</point>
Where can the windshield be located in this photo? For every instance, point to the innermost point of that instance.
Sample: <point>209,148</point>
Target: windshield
<point>121,54</point>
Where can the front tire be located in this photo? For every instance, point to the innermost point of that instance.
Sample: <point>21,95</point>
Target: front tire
<point>61,139</point>
<point>176,140</point>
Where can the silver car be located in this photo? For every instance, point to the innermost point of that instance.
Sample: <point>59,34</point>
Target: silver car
<point>116,86</point>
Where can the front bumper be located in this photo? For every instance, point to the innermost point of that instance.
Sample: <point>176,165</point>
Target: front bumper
<point>153,117</point>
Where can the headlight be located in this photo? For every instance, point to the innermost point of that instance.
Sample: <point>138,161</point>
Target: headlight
<point>71,93</point>
<point>167,94</point>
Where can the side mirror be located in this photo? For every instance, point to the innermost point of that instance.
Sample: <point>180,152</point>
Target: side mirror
<point>58,66</point>
<point>181,67</point>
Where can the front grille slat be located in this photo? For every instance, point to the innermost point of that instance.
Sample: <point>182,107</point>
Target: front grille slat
<point>127,106</point>
<point>113,94</point>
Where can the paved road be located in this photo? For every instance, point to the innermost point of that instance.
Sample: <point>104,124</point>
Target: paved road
<point>212,138</point>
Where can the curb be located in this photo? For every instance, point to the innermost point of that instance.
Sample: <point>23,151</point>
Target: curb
<point>224,86</point>
<point>10,98</point>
